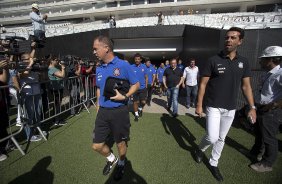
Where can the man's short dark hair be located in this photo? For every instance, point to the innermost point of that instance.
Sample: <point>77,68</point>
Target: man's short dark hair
<point>106,40</point>
<point>241,31</point>
<point>175,58</point>
<point>191,59</point>
<point>137,55</point>
<point>277,60</point>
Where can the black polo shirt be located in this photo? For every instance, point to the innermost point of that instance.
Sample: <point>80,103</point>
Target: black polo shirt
<point>225,80</point>
<point>173,76</point>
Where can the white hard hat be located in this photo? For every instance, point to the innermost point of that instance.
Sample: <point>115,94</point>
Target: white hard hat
<point>34,5</point>
<point>272,51</point>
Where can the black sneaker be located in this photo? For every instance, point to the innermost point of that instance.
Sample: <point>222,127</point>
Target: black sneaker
<point>215,172</point>
<point>140,112</point>
<point>174,115</point>
<point>199,156</point>
<point>119,172</point>
<point>136,118</point>
<point>109,165</point>
<point>60,123</point>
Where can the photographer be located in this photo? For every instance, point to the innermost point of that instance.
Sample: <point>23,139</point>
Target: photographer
<point>30,95</point>
<point>56,77</point>
<point>3,108</point>
<point>89,81</point>
<point>74,85</point>
<point>38,22</point>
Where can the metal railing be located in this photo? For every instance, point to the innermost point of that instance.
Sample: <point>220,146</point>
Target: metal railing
<point>40,102</point>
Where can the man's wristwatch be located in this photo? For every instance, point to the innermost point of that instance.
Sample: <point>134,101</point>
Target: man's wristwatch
<point>253,107</point>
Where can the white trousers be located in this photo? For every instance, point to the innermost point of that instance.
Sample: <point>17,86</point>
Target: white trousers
<point>218,123</point>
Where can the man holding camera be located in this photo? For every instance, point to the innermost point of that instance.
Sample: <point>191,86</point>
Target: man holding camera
<point>38,22</point>
<point>89,81</point>
<point>56,77</point>
<point>107,123</point>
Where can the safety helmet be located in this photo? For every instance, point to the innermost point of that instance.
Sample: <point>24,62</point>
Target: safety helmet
<point>271,51</point>
<point>34,5</point>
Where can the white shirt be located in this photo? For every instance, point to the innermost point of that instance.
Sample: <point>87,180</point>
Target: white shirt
<point>271,90</point>
<point>191,76</point>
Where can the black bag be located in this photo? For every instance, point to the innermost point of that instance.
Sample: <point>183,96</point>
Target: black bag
<point>112,83</point>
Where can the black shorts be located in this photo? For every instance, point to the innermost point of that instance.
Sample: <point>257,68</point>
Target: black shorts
<point>114,121</point>
<point>140,95</point>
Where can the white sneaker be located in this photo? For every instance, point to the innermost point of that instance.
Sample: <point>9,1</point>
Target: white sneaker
<point>3,157</point>
<point>18,124</point>
<point>35,138</point>
<point>45,133</point>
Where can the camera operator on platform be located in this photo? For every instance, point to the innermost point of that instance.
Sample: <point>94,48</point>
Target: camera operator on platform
<point>38,22</point>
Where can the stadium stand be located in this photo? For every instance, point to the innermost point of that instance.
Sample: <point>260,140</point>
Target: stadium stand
<point>246,20</point>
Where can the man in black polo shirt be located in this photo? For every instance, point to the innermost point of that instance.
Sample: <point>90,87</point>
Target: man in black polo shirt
<point>172,80</point>
<point>220,81</point>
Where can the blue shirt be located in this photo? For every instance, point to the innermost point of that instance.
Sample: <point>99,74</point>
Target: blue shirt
<point>150,72</point>
<point>140,72</point>
<point>160,73</point>
<point>180,66</point>
<point>116,68</point>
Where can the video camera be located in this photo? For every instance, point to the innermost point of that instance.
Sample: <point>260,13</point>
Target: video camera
<point>14,45</point>
<point>87,63</point>
<point>38,65</point>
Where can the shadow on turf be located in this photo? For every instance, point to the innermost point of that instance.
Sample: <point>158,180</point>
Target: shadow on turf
<point>38,174</point>
<point>180,132</point>
<point>129,177</point>
<point>181,135</point>
<point>159,102</point>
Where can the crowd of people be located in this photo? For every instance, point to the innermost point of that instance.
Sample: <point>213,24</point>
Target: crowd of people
<point>38,86</point>
<point>117,82</point>
<point>227,70</point>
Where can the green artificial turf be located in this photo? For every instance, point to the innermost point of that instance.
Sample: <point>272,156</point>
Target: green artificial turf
<point>159,153</point>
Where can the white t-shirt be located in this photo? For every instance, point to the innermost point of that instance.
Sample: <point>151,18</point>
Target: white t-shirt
<point>191,76</point>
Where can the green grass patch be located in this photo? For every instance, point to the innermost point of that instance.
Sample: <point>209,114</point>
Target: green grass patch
<point>159,152</point>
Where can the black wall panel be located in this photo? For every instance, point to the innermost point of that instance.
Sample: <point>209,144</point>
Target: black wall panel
<point>79,44</point>
<point>200,43</point>
<point>147,32</point>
